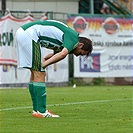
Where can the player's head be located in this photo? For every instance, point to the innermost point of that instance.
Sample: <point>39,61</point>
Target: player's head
<point>84,47</point>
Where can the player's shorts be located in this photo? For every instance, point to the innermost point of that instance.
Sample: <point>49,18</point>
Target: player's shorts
<point>29,52</point>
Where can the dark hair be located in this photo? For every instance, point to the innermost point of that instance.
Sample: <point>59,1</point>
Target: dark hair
<point>87,45</point>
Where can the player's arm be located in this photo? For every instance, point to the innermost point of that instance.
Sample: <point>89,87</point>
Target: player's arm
<point>55,58</point>
<point>48,56</point>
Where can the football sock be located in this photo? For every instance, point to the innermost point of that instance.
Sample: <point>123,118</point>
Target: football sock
<point>40,90</point>
<point>33,96</point>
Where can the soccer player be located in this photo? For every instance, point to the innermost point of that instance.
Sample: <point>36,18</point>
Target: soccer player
<point>50,34</point>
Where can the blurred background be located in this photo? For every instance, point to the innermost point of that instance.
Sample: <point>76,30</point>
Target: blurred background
<point>108,23</point>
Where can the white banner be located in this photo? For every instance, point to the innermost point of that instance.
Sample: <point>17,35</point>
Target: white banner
<point>108,62</point>
<point>112,38</point>
<point>9,73</point>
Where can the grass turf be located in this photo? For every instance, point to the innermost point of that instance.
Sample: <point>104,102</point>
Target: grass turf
<point>99,109</point>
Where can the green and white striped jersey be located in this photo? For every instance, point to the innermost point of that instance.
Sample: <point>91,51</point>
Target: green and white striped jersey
<point>52,34</point>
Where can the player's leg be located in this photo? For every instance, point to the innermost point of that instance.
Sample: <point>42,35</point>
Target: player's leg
<point>25,54</point>
<point>40,92</point>
<point>37,91</point>
<point>35,58</point>
<point>32,93</point>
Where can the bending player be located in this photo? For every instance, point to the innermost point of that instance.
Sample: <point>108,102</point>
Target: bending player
<point>53,35</point>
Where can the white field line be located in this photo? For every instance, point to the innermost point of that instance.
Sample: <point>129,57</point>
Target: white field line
<point>73,103</point>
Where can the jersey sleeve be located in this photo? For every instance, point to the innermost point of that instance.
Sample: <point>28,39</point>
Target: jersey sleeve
<point>70,40</point>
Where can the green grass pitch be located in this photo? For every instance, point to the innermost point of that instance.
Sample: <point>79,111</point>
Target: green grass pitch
<point>86,109</point>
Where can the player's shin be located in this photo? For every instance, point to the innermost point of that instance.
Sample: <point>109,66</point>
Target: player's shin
<point>40,90</point>
<point>33,96</point>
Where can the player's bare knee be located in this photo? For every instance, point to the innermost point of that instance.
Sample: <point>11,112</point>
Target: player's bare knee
<point>39,76</point>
